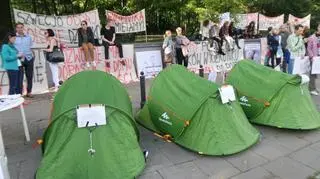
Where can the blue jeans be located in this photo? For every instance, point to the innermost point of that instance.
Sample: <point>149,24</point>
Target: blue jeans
<point>13,76</point>
<point>286,59</point>
<point>290,65</point>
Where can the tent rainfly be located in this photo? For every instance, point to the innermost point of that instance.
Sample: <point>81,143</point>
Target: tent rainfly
<point>273,98</point>
<point>188,109</point>
<point>66,148</point>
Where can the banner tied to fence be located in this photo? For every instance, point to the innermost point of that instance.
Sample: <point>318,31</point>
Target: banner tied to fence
<point>266,22</point>
<point>65,27</point>
<point>305,21</point>
<point>127,24</point>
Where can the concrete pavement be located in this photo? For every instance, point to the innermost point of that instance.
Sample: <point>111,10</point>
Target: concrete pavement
<point>281,154</point>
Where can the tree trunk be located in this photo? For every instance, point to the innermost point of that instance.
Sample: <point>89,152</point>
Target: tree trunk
<point>5,23</point>
<point>54,5</point>
<point>34,6</point>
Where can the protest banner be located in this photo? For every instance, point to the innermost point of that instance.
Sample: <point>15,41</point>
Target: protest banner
<point>252,50</point>
<point>266,22</point>
<point>200,55</point>
<point>149,62</point>
<point>243,20</point>
<point>305,21</point>
<point>127,24</point>
<point>40,83</point>
<point>224,17</point>
<point>65,27</point>
<point>301,65</point>
<point>122,68</point>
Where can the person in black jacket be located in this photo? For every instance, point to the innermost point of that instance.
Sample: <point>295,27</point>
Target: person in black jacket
<point>108,36</point>
<point>86,41</point>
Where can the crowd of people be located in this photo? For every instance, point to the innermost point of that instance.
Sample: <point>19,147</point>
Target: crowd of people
<point>18,58</point>
<point>291,41</point>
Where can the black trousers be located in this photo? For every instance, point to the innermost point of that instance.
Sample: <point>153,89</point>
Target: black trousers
<point>181,58</point>
<point>106,49</point>
<point>28,70</point>
<point>278,60</point>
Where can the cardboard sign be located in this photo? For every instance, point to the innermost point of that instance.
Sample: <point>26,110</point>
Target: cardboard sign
<point>149,62</point>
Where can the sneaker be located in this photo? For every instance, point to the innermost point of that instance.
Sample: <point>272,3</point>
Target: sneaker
<point>314,92</point>
<point>94,64</point>
<point>88,65</point>
<point>145,154</point>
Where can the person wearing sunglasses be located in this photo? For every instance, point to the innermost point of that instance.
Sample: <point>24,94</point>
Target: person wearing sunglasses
<point>86,41</point>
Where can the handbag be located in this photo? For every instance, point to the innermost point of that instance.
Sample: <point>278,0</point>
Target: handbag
<point>167,50</point>
<point>56,56</point>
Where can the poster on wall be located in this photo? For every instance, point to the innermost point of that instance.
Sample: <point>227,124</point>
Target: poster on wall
<point>65,27</point>
<point>149,62</point>
<point>252,50</point>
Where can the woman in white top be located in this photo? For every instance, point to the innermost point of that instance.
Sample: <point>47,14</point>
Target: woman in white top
<point>54,67</point>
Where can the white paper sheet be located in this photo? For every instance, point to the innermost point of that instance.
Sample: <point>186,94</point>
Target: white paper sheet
<point>94,115</point>
<point>227,94</point>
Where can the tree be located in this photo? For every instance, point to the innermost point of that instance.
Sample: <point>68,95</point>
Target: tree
<point>5,23</point>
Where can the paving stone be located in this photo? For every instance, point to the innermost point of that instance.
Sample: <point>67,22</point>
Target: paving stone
<point>316,146</point>
<point>270,149</point>
<point>287,168</point>
<point>246,160</point>
<point>291,142</point>
<point>28,169</point>
<point>156,160</point>
<point>256,173</point>
<point>177,154</point>
<point>216,167</point>
<point>14,170</point>
<point>266,131</point>
<point>151,175</point>
<point>183,171</point>
<point>311,136</point>
<point>307,156</point>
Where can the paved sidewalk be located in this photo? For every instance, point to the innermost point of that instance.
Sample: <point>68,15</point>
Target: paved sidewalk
<point>281,154</point>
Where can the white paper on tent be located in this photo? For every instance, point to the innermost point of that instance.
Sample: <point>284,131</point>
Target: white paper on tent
<point>227,94</point>
<point>301,65</point>
<point>315,65</point>
<point>91,115</point>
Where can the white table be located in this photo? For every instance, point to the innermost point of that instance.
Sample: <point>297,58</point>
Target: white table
<point>9,102</point>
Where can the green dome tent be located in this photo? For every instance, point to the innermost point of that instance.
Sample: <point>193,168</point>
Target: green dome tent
<point>186,108</point>
<point>65,148</point>
<point>273,98</point>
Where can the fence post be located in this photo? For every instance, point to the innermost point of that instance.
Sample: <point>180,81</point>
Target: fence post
<point>142,89</point>
<point>201,71</point>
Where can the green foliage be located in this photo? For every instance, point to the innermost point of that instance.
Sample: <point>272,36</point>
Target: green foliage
<point>169,14</point>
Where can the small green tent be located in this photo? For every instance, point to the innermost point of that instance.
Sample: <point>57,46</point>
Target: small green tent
<point>65,148</point>
<point>273,98</point>
<point>188,109</point>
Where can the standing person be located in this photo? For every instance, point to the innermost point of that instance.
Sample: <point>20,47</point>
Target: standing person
<point>23,44</point>
<point>52,44</point>
<point>233,32</point>
<point>274,42</point>
<point>108,36</point>
<point>313,51</point>
<point>181,41</point>
<point>268,54</point>
<point>86,41</point>
<point>10,62</point>
<point>168,48</point>
<point>295,45</point>
<point>284,33</point>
